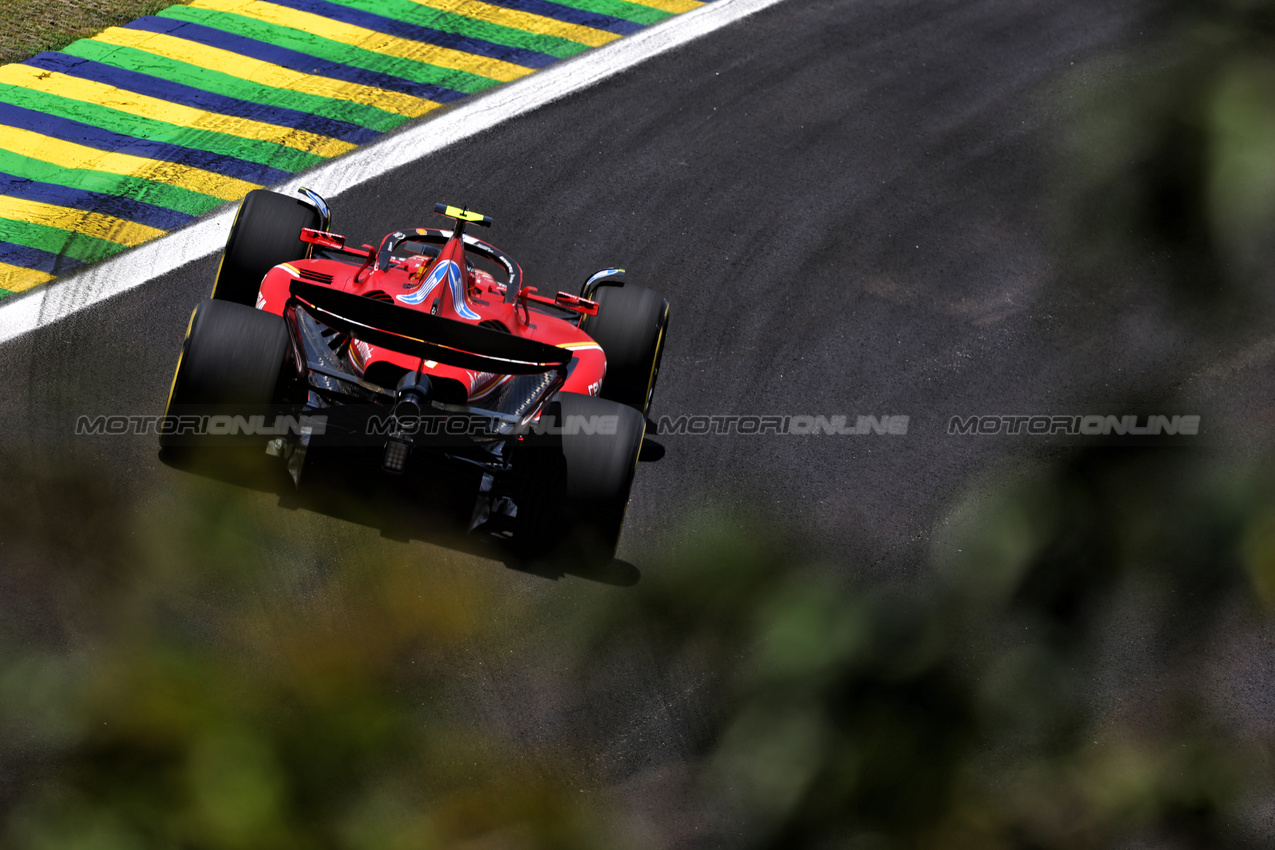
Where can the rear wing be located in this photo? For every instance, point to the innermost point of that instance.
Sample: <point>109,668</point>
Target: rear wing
<point>430,337</point>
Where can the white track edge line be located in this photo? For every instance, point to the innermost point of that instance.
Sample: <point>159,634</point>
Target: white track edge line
<point>44,305</point>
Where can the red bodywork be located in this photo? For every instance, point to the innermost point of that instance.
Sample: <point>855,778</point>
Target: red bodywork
<point>448,286</point>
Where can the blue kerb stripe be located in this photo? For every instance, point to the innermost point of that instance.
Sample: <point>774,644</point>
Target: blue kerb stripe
<point>34,258</point>
<point>292,59</point>
<point>197,98</point>
<point>558,12</point>
<point>95,137</point>
<point>98,202</point>
<point>403,29</point>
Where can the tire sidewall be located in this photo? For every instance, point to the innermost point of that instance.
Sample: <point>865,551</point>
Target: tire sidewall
<point>265,233</point>
<point>230,365</point>
<point>630,326</point>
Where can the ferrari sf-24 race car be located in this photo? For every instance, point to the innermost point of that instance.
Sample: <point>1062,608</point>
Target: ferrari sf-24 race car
<point>430,343</point>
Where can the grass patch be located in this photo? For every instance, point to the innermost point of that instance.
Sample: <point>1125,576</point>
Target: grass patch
<point>33,26</point>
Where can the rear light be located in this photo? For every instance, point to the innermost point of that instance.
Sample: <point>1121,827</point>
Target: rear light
<point>395,457</point>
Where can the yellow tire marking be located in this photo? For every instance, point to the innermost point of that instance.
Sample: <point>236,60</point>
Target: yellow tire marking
<point>181,355</point>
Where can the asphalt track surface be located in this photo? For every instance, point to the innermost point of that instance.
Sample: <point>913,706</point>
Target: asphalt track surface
<point>848,206</point>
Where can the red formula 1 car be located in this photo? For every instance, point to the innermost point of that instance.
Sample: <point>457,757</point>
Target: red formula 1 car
<point>429,343</point>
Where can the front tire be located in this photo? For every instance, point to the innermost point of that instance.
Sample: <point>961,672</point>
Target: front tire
<point>630,326</point>
<point>266,232</point>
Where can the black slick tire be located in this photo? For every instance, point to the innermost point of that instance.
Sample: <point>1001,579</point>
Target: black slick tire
<point>631,324</point>
<point>230,365</point>
<point>266,232</point>
<point>576,483</point>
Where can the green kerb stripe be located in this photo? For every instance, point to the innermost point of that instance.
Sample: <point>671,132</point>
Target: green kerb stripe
<point>55,240</point>
<point>634,12</point>
<point>150,191</point>
<point>5,293</point>
<point>205,79</point>
<point>253,150</point>
<point>424,16</point>
<point>333,51</point>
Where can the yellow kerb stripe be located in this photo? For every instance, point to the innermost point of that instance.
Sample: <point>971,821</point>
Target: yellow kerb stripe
<point>264,73</point>
<point>70,155</point>
<point>675,7</point>
<point>65,218</point>
<point>87,91</point>
<point>522,21</point>
<point>377,42</point>
<point>16,278</point>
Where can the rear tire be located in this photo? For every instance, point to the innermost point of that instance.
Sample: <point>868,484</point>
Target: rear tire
<point>230,365</point>
<point>576,485</point>
<point>266,232</point>
<point>630,326</point>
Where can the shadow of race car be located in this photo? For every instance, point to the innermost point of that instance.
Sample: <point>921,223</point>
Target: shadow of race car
<point>429,344</point>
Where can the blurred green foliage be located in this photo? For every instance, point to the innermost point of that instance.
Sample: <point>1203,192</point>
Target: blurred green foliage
<point>1170,161</point>
<point>184,713</point>
<point>987,709</point>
